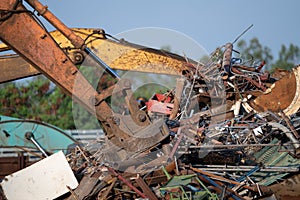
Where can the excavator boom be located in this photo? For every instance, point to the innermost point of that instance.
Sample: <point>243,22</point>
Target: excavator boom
<point>22,33</point>
<point>119,55</point>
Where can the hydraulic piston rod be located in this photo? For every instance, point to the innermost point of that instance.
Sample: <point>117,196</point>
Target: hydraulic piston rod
<point>30,136</point>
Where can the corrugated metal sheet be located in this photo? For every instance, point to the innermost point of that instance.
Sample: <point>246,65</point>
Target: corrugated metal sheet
<point>274,156</point>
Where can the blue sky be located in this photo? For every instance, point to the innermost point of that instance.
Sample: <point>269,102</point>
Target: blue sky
<point>209,22</point>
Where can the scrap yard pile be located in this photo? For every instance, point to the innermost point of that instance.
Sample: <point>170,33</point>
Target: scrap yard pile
<point>229,131</point>
<point>233,134</point>
<point>226,129</point>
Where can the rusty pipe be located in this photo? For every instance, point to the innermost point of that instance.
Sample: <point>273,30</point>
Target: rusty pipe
<point>42,10</point>
<point>290,125</point>
<point>227,57</point>
<point>180,136</point>
<point>126,182</point>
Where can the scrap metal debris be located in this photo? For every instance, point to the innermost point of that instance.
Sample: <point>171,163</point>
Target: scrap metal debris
<point>227,130</point>
<point>233,134</point>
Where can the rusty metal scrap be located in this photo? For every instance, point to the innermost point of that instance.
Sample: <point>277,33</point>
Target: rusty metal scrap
<point>227,130</point>
<point>227,143</point>
<point>220,141</point>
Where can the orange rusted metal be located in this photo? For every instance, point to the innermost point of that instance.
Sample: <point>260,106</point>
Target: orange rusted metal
<point>15,67</point>
<point>77,41</point>
<point>280,96</point>
<point>23,34</point>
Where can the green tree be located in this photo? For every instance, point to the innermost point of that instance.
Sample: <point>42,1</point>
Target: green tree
<point>255,51</point>
<point>166,48</point>
<point>288,57</point>
<point>37,99</point>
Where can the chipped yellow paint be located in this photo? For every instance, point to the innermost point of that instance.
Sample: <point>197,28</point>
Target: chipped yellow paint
<point>119,55</point>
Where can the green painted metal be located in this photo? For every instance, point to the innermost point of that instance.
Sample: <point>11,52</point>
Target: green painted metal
<point>273,156</point>
<point>51,138</point>
<point>177,188</point>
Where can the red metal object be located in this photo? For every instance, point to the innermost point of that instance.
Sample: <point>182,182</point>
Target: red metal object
<point>159,107</point>
<point>162,98</point>
<point>160,103</point>
<point>126,182</point>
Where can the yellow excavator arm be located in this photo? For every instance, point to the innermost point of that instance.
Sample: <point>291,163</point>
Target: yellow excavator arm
<point>118,54</point>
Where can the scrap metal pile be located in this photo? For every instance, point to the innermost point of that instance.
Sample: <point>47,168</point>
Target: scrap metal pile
<point>233,135</point>
<point>227,130</point>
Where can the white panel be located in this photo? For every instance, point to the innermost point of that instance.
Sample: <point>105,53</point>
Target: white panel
<point>46,179</point>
